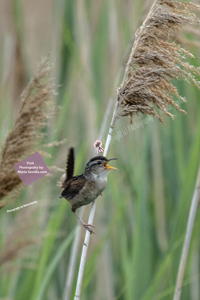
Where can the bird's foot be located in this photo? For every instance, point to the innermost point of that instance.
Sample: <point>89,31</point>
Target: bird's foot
<point>88,227</point>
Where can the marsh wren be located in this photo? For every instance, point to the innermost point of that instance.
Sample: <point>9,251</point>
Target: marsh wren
<point>85,188</point>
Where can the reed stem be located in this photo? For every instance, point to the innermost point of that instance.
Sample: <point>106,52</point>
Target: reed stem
<point>189,229</point>
<point>91,217</point>
<point>74,251</point>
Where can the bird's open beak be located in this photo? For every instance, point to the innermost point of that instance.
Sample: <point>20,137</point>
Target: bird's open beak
<point>109,167</point>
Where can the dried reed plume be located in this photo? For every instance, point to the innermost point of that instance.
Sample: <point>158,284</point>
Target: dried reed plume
<point>156,59</point>
<point>22,139</point>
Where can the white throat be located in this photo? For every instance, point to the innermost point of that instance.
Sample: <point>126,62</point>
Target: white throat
<point>100,180</point>
<point>100,177</point>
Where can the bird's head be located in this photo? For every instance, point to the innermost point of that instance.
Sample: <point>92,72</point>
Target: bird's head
<point>98,165</point>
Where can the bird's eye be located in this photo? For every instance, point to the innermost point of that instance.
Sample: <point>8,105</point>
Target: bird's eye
<point>99,163</point>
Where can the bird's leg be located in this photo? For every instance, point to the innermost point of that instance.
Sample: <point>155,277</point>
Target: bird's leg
<point>87,226</point>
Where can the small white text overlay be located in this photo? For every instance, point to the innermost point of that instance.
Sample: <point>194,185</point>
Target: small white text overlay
<point>21,206</point>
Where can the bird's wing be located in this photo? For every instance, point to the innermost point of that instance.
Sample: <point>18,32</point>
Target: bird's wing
<point>73,187</point>
<point>69,165</point>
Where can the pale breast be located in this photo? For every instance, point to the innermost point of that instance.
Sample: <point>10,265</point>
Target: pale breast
<point>90,191</point>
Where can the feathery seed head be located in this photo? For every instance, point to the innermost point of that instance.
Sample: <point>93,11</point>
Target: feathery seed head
<point>155,60</point>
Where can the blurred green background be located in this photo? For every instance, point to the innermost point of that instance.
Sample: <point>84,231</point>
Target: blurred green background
<point>141,218</point>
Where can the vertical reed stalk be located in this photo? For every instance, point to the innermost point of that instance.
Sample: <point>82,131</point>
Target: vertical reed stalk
<point>186,245</point>
<point>91,217</point>
<point>74,251</point>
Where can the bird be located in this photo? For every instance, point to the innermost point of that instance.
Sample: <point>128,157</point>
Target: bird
<point>83,189</point>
